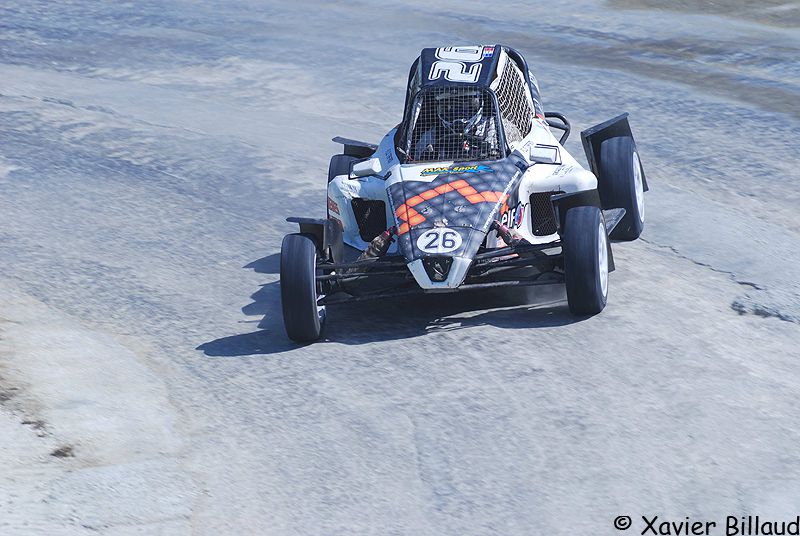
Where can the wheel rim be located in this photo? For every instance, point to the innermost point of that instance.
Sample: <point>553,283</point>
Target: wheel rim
<point>318,296</point>
<point>602,257</point>
<point>639,185</point>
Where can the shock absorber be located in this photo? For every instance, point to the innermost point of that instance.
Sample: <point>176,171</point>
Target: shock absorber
<point>379,245</point>
<point>503,232</point>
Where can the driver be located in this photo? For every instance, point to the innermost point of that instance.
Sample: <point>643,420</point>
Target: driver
<point>463,131</point>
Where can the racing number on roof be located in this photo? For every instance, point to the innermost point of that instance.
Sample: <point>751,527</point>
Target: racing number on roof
<point>453,64</point>
<point>469,54</point>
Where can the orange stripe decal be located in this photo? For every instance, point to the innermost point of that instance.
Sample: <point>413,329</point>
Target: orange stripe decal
<point>414,201</point>
<point>490,197</point>
<point>428,194</point>
<point>444,188</point>
<point>467,190</point>
<point>411,217</point>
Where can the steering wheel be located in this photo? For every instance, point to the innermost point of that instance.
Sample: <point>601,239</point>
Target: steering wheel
<point>476,143</point>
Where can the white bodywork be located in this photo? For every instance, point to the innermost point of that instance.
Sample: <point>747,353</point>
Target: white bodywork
<point>568,176</point>
<point>551,169</point>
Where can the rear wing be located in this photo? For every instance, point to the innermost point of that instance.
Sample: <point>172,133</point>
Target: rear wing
<point>594,136</point>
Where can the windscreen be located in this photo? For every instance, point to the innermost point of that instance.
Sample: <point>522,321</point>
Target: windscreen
<point>452,123</point>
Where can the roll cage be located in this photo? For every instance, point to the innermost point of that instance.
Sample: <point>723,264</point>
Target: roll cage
<point>424,126</point>
<point>418,85</point>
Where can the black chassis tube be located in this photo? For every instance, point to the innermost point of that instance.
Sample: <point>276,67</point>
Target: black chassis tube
<point>528,255</point>
<point>417,290</point>
<point>484,273</point>
<point>564,125</point>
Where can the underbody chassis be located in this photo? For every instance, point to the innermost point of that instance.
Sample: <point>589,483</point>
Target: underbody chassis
<point>389,277</point>
<point>516,265</point>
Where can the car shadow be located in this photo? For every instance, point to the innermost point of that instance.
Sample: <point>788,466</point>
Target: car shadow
<point>271,264</point>
<point>389,319</point>
<point>402,318</point>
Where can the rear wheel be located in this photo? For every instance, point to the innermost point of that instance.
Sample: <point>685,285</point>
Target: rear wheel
<point>585,247</point>
<point>302,317</point>
<point>623,186</point>
<point>340,165</point>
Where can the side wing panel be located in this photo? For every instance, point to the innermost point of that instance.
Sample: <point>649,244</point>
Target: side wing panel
<point>594,136</point>
<point>359,149</point>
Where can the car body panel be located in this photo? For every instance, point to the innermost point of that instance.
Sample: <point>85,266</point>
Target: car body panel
<point>466,197</point>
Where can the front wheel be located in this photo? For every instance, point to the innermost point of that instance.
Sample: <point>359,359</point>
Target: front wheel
<point>623,186</point>
<point>585,247</point>
<point>302,317</point>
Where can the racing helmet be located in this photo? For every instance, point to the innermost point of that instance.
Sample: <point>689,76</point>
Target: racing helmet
<point>459,112</point>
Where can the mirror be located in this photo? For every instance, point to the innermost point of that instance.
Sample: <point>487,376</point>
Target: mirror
<point>545,154</point>
<point>371,166</point>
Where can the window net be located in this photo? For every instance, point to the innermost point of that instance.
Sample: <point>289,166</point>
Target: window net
<point>515,104</point>
<point>452,123</point>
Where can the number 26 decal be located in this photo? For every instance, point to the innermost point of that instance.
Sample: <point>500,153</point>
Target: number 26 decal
<point>439,240</point>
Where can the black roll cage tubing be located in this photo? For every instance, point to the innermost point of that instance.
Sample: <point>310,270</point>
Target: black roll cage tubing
<point>562,124</point>
<point>421,95</point>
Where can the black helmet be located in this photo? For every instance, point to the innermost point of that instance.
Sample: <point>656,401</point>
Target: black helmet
<point>459,112</point>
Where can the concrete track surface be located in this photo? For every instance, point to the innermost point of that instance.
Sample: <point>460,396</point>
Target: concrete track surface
<point>149,154</point>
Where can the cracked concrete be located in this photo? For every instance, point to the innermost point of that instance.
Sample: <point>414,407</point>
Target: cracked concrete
<point>746,304</point>
<point>704,265</point>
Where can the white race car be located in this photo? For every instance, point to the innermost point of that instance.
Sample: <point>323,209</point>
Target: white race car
<point>470,191</point>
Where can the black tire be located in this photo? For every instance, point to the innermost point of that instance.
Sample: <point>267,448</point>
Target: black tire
<point>585,247</point>
<point>340,165</point>
<point>623,187</point>
<point>302,318</point>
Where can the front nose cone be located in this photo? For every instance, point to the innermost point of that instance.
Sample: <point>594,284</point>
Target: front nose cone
<point>437,268</point>
<point>435,272</point>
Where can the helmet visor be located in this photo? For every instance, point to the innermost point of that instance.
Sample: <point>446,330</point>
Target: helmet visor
<point>460,109</point>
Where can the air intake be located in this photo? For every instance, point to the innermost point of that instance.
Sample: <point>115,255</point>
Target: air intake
<point>543,216</point>
<point>437,268</point>
<point>370,217</point>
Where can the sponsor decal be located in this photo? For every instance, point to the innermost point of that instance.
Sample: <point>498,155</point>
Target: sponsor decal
<point>564,170</point>
<point>439,240</point>
<point>512,217</point>
<point>332,206</point>
<point>488,52</point>
<point>456,169</point>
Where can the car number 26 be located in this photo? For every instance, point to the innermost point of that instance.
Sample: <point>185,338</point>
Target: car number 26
<point>439,240</point>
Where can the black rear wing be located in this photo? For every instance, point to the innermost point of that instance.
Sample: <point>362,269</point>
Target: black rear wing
<point>594,136</point>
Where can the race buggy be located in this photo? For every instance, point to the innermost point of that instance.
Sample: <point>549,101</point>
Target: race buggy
<point>470,191</point>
